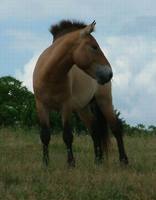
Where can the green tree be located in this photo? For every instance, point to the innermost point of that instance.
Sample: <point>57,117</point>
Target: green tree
<point>152,129</point>
<point>16,103</point>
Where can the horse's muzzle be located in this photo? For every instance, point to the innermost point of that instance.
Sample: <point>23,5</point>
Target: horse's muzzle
<point>104,74</point>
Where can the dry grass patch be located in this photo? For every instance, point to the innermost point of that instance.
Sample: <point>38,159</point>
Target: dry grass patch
<point>22,175</point>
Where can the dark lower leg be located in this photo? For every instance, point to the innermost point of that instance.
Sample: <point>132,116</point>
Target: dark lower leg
<point>117,131</point>
<point>68,139</point>
<point>97,140</point>
<point>97,148</point>
<point>98,152</point>
<point>45,138</point>
<point>122,154</point>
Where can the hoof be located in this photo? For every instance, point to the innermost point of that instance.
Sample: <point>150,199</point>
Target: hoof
<point>45,161</point>
<point>124,161</point>
<point>98,161</point>
<point>71,163</point>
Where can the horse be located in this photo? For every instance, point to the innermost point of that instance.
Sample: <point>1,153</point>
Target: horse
<point>73,75</point>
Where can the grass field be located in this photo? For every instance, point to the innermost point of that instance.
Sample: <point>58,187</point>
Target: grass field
<point>22,176</point>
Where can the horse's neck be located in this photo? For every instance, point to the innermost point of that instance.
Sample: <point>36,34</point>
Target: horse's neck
<point>60,61</point>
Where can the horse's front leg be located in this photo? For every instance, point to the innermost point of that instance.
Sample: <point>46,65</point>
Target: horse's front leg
<point>43,115</point>
<point>68,140</point>
<point>45,138</point>
<point>68,136</point>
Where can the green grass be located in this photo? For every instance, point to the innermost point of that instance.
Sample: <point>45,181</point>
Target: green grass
<point>22,176</point>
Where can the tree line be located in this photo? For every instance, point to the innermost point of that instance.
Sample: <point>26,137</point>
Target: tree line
<point>17,109</point>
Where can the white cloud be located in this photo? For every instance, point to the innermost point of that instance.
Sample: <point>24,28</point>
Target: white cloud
<point>134,64</point>
<point>147,78</point>
<point>25,75</point>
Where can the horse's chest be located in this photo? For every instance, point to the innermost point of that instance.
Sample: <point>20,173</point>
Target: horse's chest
<point>83,88</point>
<point>82,94</point>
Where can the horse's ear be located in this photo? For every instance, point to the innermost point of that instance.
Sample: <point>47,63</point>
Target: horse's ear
<point>88,29</point>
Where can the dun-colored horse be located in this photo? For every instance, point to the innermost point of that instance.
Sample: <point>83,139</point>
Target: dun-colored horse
<point>74,75</point>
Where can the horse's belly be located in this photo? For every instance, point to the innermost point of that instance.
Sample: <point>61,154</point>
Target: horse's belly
<point>83,88</point>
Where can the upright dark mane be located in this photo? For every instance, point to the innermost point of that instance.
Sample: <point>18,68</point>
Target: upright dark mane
<point>64,27</point>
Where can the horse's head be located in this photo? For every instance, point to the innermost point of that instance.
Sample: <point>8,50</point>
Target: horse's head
<point>88,56</point>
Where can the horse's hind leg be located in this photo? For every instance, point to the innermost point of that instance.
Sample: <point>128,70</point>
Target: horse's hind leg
<point>43,115</point>
<point>68,136</point>
<point>117,129</point>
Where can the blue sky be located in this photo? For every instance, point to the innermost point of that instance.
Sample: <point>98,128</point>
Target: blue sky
<point>125,30</point>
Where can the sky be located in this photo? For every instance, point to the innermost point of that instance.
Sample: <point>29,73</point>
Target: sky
<point>125,30</point>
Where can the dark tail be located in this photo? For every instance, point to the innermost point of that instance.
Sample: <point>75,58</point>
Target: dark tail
<point>101,126</point>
